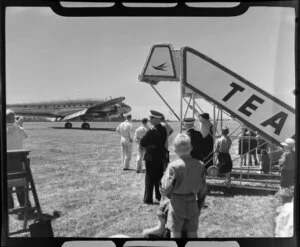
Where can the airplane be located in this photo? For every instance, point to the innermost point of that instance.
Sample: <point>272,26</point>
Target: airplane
<point>66,110</point>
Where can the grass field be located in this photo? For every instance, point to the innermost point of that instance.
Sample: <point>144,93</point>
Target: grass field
<point>78,173</point>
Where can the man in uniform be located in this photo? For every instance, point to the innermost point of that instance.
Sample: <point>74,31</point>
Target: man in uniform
<point>154,141</point>
<point>125,131</point>
<point>138,134</point>
<point>196,139</point>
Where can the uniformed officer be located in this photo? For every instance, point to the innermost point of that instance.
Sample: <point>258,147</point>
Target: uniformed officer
<point>154,141</point>
<point>196,138</point>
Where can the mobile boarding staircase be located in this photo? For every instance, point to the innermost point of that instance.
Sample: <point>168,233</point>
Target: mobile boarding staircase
<point>233,100</point>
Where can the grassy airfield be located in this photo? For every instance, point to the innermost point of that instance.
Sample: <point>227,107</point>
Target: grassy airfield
<point>79,173</point>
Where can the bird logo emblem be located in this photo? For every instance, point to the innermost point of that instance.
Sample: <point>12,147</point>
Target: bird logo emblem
<point>161,67</point>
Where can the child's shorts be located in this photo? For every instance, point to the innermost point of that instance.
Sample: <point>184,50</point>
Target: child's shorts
<point>183,212</point>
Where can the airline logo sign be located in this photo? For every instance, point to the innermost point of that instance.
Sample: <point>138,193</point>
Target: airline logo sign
<point>272,118</point>
<point>161,65</point>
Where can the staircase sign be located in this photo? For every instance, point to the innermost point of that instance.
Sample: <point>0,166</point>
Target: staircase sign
<point>261,111</point>
<point>163,64</point>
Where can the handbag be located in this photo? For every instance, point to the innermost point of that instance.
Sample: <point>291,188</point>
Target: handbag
<point>41,228</point>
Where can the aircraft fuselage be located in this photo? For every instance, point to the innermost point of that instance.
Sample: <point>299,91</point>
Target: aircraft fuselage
<point>63,109</point>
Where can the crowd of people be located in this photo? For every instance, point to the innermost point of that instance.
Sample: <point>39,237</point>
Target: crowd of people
<point>180,186</point>
<point>255,151</point>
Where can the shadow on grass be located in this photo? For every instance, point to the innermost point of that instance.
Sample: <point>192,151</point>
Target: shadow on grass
<point>131,169</point>
<point>79,128</point>
<point>232,191</point>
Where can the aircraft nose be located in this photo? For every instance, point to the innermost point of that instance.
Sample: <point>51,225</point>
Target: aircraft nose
<point>127,108</point>
<point>123,109</point>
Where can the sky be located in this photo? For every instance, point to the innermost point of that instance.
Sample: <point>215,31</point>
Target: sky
<point>50,57</point>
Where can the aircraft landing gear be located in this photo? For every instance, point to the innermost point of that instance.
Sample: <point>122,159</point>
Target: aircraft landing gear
<point>85,126</point>
<point>68,125</point>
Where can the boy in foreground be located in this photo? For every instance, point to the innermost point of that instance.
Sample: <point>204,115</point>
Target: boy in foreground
<point>184,183</point>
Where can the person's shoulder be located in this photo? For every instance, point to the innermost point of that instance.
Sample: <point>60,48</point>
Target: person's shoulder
<point>290,154</point>
<point>177,163</point>
<point>197,132</point>
<point>151,130</point>
<point>139,128</point>
<point>199,164</point>
<point>220,139</point>
<point>195,161</point>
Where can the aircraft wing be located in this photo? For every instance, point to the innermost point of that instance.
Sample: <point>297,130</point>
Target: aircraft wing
<point>108,103</point>
<point>75,114</point>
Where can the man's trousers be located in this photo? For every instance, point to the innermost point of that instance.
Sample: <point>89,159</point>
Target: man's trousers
<point>126,150</point>
<point>154,173</point>
<point>139,158</point>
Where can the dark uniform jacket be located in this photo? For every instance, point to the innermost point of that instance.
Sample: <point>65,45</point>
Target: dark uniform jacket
<point>154,141</point>
<point>197,144</point>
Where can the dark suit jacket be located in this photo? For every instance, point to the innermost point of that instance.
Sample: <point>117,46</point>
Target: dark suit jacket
<point>154,141</point>
<point>197,144</point>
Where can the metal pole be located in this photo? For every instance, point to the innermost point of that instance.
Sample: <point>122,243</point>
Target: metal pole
<point>165,101</point>
<point>242,154</point>
<point>188,106</point>
<point>214,162</point>
<point>193,105</point>
<point>221,119</point>
<point>249,153</point>
<point>181,97</point>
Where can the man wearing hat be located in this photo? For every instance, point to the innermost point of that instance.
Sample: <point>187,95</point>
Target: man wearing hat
<point>208,141</point>
<point>288,164</point>
<point>196,139</point>
<point>154,141</point>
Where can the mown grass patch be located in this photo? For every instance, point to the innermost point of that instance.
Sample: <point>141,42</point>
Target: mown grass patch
<point>79,173</point>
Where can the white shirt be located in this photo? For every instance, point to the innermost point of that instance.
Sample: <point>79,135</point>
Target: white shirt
<point>139,133</point>
<point>205,127</point>
<point>223,144</point>
<point>15,135</point>
<point>125,129</point>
